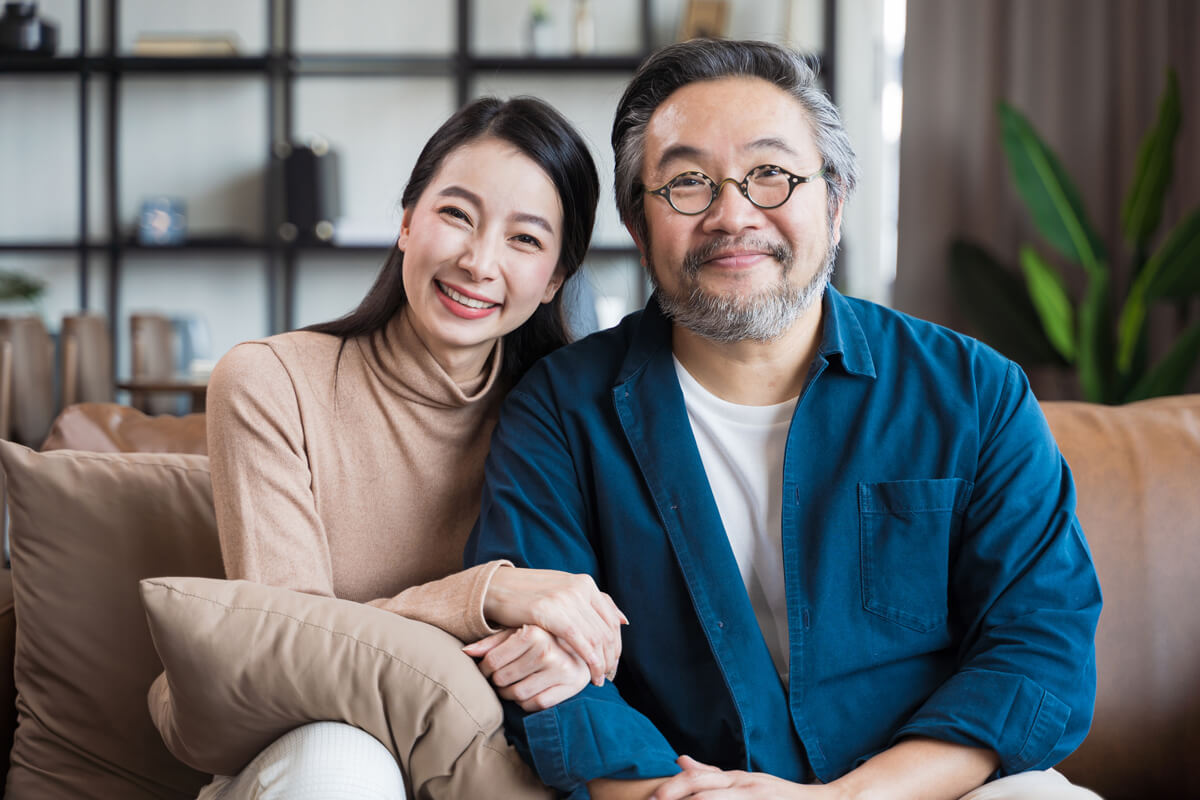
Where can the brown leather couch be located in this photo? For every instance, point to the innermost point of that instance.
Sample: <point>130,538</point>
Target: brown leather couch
<point>1137,470</point>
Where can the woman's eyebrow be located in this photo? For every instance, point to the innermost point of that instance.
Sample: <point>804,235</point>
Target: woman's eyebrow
<point>458,191</point>
<point>532,219</point>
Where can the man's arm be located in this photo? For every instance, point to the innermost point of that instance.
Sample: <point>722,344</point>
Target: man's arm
<point>914,769</point>
<point>534,511</point>
<point>1025,597</point>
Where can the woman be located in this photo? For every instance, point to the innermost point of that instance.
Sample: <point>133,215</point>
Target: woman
<point>347,459</point>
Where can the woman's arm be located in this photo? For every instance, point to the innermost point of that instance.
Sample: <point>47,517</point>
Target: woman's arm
<point>266,516</point>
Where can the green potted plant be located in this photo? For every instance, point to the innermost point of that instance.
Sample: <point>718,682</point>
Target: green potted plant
<point>1030,314</point>
<point>20,293</point>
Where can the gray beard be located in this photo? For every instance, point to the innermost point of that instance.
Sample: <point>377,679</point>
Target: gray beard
<point>761,317</point>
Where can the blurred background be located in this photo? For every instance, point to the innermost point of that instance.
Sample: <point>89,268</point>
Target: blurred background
<point>177,177</point>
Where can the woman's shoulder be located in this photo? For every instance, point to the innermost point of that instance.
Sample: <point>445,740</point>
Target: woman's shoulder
<point>282,361</point>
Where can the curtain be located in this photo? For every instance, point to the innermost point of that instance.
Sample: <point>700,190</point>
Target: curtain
<point>1088,74</point>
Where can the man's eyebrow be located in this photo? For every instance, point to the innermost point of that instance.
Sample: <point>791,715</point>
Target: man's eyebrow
<point>675,152</point>
<point>687,151</point>
<point>771,143</point>
<point>454,190</point>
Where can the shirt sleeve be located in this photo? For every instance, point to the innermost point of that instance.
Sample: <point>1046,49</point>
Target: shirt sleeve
<point>1025,591</point>
<point>534,513</point>
<point>267,519</point>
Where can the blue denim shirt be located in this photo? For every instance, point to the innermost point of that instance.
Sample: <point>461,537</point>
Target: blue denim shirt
<point>938,583</point>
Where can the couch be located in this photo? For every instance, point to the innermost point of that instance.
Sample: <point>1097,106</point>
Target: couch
<point>1135,469</point>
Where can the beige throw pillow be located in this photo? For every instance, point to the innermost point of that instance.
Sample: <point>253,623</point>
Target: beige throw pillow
<point>245,663</point>
<point>85,528</point>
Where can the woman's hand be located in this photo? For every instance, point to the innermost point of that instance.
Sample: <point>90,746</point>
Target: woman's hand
<point>566,606</point>
<point>530,667</point>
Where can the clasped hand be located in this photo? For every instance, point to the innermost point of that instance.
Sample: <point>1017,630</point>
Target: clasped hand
<point>562,632</point>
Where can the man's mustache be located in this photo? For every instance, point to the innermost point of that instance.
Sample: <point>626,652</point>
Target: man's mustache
<point>695,258</point>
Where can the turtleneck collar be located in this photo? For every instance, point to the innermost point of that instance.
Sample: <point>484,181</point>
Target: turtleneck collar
<point>402,363</point>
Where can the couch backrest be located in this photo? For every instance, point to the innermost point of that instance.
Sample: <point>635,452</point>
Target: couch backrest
<point>1137,473</point>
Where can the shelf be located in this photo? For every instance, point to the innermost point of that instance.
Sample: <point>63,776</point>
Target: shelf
<point>39,247</point>
<point>26,64</point>
<point>198,64</point>
<point>373,65</point>
<point>195,244</point>
<point>554,63</point>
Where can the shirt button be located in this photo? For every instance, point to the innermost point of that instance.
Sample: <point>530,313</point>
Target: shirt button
<point>720,624</point>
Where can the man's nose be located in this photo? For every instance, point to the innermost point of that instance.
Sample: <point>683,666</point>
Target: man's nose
<point>731,211</point>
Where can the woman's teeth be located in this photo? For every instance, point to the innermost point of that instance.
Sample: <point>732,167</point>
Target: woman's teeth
<point>469,302</point>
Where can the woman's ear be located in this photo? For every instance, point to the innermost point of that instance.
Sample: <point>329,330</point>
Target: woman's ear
<point>556,282</point>
<point>405,222</point>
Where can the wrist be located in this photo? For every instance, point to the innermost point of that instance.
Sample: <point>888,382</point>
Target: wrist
<point>494,593</point>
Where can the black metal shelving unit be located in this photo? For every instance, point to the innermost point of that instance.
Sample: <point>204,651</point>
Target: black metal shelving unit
<point>280,66</point>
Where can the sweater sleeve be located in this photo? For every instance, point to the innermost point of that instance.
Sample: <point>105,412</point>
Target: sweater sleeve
<point>454,603</point>
<point>262,487</point>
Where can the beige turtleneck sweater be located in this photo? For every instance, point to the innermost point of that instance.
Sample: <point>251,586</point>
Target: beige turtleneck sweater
<point>356,476</point>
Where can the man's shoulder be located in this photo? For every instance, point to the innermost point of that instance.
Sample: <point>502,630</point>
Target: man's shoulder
<point>593,362</point>
<point>902,339</point>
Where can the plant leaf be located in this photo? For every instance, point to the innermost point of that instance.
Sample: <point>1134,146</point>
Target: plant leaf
<point>1142,209</point>
<point>1170,375</point>
<point>1172,272</point>
<point>1050,298</point>
<point>994,299</point>
<point>1174,269</point>
<point>1095,340</point>
<point>1053,201</point>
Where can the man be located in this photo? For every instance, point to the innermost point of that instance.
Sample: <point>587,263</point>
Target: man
<point>844,538</point>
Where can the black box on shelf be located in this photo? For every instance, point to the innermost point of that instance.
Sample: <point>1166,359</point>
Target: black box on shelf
<point>312,198</point>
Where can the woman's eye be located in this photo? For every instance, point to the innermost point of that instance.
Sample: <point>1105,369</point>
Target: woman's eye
<point>456,213</point>
<point>525,238</point>
<point>768,171</point>
<point>686,182</point>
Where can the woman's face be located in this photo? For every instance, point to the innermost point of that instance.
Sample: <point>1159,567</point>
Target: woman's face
<point>481,248</point>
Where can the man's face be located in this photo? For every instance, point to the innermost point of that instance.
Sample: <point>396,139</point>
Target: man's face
<point>736,271</point>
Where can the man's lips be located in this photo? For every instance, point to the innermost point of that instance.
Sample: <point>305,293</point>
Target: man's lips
<point>739,259</point>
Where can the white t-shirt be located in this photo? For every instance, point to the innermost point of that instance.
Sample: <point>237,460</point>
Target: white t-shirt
<point>742,448</point>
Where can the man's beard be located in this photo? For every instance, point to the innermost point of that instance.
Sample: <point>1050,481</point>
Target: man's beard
<point>762,316</point>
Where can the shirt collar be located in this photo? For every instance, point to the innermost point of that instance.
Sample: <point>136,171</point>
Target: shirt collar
<point>841,335</point>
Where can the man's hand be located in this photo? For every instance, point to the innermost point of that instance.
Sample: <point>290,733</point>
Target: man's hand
<point>567,606</point>
<point>711,783</point>
<point>530,667</point>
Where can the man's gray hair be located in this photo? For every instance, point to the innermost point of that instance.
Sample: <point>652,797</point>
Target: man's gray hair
<point>677,65</point>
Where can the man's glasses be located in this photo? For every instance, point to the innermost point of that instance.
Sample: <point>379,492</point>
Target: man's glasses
<point>766,186</point>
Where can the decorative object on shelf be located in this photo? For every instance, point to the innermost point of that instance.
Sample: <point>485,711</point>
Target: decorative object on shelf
<point>541,39</point>
<point>585,28</point>
<point>181,45</point>
<point>163,221</point>
<point>310,179</point>
<point>1030,316</point>
<point>22,33</point>
<point>704,19</point>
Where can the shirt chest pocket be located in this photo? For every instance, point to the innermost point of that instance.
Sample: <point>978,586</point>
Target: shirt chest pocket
<point>905,535</point>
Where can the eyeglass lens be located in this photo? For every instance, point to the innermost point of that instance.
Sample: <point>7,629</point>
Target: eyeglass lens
<point>692,192</point>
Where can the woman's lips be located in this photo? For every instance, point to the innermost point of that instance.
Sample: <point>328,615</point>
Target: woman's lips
<point>462,304</point>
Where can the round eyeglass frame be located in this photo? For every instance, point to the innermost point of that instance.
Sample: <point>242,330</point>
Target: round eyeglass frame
<point>743,186</point>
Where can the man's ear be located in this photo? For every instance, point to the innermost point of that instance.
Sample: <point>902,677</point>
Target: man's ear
<point>637,241</point>
<point>405,222</point>
<point>837,222</point>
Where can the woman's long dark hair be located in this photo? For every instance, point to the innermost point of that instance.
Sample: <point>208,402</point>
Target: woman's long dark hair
<point>546,138</point>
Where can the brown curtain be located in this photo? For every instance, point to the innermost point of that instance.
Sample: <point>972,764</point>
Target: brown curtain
<point>1088,75</point>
